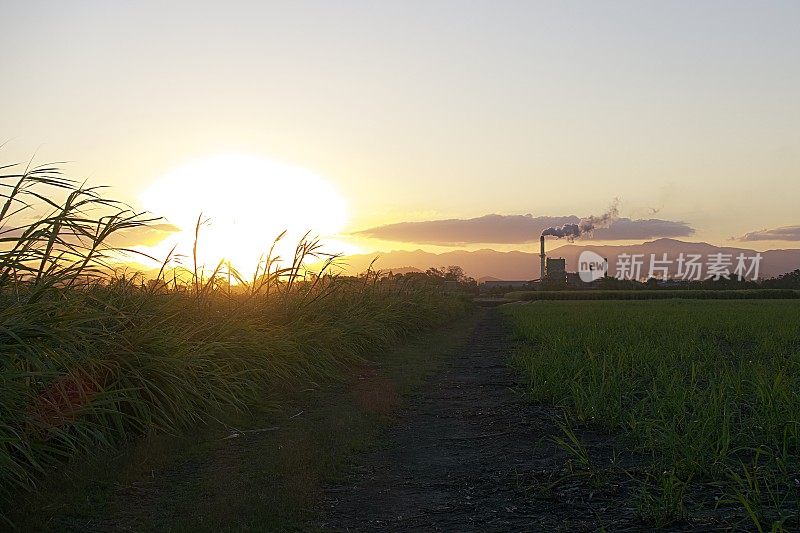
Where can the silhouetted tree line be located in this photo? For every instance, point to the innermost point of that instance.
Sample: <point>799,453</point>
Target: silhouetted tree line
<point>451,277</point>
<point>790,280</point>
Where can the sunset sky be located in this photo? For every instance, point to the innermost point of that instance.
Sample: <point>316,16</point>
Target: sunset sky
<point>358,115</point>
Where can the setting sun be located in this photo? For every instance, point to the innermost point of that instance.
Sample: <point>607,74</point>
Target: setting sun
<point>246,202</point>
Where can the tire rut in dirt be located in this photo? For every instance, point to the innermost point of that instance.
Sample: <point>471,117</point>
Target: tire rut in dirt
<point>463,456</point>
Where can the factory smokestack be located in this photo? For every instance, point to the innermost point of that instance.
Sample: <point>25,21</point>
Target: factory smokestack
<point>542,257</point>
<point>586,225</point>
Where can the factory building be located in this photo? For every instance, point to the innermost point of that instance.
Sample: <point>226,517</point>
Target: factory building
<point>556,269</point>
<point>550,268</point>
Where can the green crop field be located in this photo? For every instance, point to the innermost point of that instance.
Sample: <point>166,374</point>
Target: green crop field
<point>660,294</point>
<point>706,391</point>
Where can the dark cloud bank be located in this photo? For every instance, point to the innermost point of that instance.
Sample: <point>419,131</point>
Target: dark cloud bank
<point>517,229</point>
<point>785,233</point>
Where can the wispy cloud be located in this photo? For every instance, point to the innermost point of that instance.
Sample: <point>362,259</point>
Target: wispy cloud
<point>517,229</point>
<point>785,233</point>
<point>143,235</point>
<point>137,236</point>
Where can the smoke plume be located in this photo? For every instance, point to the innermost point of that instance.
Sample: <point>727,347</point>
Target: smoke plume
<point>586,226</point>
<point>570,231</point>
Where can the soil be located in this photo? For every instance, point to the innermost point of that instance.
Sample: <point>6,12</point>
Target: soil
<point>469,453</point>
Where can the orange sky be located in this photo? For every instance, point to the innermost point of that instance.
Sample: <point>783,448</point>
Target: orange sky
<point>419,111</point>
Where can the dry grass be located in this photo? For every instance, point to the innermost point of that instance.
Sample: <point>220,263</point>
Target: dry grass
<point>91,358</point>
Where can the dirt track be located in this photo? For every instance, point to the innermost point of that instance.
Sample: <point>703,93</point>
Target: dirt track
<point>470,454</point>
<point>465,452</point>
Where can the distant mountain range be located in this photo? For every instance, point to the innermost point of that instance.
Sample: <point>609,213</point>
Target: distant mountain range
<point>525,265</point>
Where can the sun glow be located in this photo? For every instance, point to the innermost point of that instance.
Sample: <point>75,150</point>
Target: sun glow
<point>247,202</point>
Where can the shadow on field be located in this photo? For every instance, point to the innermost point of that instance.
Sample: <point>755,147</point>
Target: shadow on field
<point>264,470</point>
